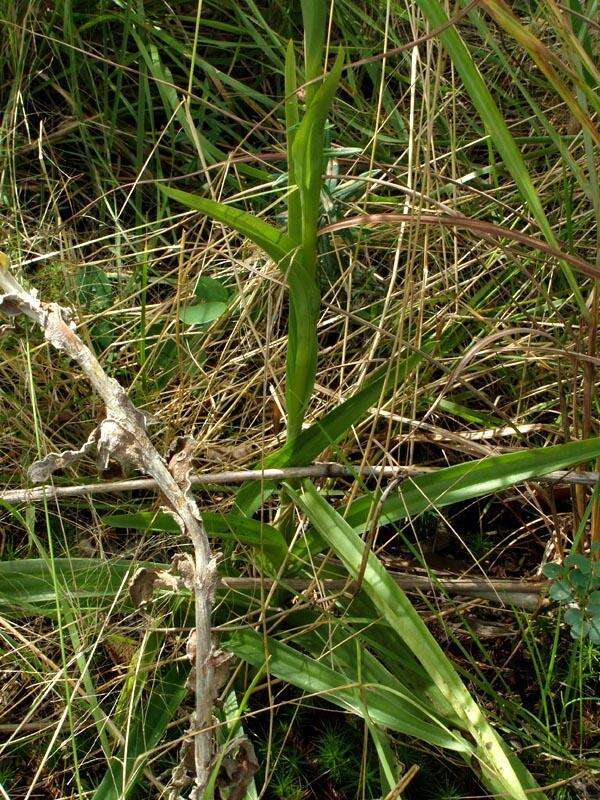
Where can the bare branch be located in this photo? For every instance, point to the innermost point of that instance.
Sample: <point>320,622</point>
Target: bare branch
<point>324,470</point>
<point>122,437</point>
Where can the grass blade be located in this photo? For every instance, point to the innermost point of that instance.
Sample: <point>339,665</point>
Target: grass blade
<point>389,710</point>
<point>326,432</point>
<point>396,609</point>
<point>473,479</point>
<point>168,690</point>
<point>505,144</point>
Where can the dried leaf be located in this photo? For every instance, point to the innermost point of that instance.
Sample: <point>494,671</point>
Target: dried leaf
<point>146,581</point>
<point>141,586</point>
<point>238,767</point>
<point>40,471</point>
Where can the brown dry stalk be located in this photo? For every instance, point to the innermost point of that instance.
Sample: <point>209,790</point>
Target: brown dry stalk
<point>486,229</point>
<point>122,437</point>
<point>529,594</point>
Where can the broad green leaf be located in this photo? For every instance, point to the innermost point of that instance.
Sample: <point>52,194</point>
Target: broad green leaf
<point>167,691</point>
<point>225,526</point>
<point>203,313</point>
<point>472,479</point>
<point>314,19</point>
<point>553,570</point>
<point>388,664</point>
<point>388,708</point>
<point>327,431</point>
<point>209,290</point>
<point>593,606</point>
<point>560,591</point>
<point>275,243</point>
<point>27,588</point>
<point>580,562</point>
<point>396,609</point>
<point>26,585</point>
<point>574,617</point>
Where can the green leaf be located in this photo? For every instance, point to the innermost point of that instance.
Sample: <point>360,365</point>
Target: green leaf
<point>308,159</point>
<point>292,119</point>
<point>324,433</point>
<point>314,20</point>
<point>580,628</point>
<point>553,571</point>
<point>593,605</point>
<point>579,580</point>
<point>398,612</point>
<point>150,720</point>
<point>307,168</point>
<point>275,243</point>
<point>386,708</point>
<point>472,479</point>
<point>209,290</point>
<point>203,313</point>
<point>26,585</point>
<point>594,632</point>
<point>580,562</point>
<point>574,617</point>
<point>560,592</point>
<point>226,526</point>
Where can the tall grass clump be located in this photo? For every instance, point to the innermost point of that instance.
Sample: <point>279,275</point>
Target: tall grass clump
<point>309,232</point>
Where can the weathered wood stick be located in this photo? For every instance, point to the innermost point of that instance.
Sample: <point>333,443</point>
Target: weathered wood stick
<point>529,595</point>
<point>122,437</point>
<point>324,470</point>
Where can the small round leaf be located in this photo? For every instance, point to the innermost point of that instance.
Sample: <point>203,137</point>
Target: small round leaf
<point>560,591</point>
<point>203,313</point>
<point>580,562</point>
<point>553,570</point>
